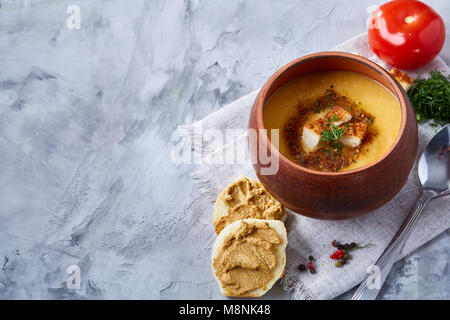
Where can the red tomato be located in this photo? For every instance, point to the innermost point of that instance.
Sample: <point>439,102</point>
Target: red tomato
<point>406,33</point>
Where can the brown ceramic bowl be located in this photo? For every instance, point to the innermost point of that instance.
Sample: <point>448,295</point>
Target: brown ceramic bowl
<point>345,194</point>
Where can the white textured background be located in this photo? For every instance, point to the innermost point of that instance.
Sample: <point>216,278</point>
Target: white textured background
<point>86,118</point>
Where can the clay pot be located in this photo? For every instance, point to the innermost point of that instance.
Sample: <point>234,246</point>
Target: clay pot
<point>345,194</point>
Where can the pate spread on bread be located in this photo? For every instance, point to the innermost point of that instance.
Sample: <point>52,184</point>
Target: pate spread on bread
<point>245,198</point>
<point>249,257</point>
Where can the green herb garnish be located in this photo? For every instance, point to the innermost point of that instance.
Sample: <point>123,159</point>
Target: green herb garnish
<point>332,133</point>
<point>431,98</point>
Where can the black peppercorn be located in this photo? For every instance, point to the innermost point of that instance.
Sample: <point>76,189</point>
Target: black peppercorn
<point>310,258</point>
<point>302,267</point>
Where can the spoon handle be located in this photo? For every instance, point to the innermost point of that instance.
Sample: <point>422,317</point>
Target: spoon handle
<point>369,288</point>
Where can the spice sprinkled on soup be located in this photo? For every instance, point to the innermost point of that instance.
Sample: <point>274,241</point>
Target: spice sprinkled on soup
<point>333,120</point>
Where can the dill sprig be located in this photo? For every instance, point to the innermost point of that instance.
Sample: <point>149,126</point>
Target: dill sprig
<point>332,133</point>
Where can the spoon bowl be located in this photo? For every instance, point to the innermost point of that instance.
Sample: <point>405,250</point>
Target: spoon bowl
<point>434,164</point>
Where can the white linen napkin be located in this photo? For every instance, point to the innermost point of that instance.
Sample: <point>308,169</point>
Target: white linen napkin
<point>308,236</point>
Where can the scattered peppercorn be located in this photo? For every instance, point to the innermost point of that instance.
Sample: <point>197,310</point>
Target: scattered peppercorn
<point>309,265</point>
<point>341,255</point>
<point>337,255</point>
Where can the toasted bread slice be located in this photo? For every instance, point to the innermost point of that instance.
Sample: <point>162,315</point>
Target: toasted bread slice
<point>280,253</point>
<point>245,198</point>
<point>403,78</point>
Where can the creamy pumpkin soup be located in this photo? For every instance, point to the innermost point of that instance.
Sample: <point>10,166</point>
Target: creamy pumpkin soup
<point>333,120</point>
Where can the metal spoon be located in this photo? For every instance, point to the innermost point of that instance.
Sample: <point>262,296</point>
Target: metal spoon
<point>434,175</point>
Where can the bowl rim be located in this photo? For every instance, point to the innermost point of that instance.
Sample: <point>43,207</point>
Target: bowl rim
<point>262,97</point>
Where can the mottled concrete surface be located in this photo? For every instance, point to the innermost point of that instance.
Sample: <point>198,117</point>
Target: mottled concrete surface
<point>86,118</point>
